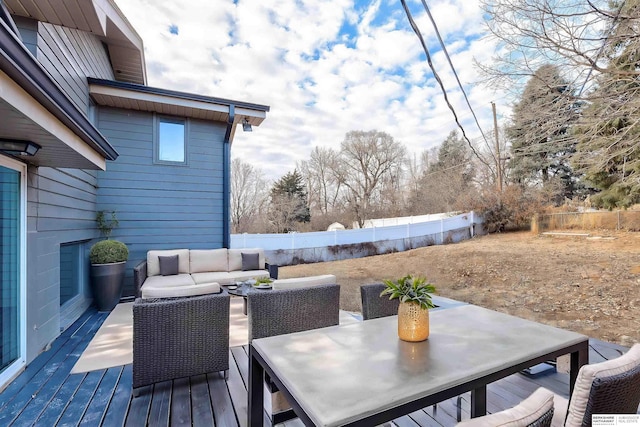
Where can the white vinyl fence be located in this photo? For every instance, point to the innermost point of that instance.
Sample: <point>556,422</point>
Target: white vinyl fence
<point>293,248</point>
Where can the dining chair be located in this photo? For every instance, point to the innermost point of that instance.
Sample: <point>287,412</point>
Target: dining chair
<point>610,387</point>
<point>535,411</point>
<point>373,305</point>
<point>285,311</point>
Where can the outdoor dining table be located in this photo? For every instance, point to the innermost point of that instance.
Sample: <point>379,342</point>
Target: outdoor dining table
<point>362,374</point>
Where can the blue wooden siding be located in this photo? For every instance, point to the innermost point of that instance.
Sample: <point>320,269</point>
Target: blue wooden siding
<point>60,209</point>
<point>70,56</point>
<point>161,206</point>
<point>61,203</point>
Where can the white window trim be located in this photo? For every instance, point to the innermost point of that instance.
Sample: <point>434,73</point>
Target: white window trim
<point>16,367</point>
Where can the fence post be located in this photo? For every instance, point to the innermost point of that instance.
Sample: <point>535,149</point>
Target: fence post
<point>408,230</point>
<point>441,231</point>
<point>293,240</point>
<point>471,221</point>
<point>618,221</point>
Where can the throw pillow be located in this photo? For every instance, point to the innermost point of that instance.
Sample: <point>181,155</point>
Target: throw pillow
<point>168,265</point>
<point>250,262</point>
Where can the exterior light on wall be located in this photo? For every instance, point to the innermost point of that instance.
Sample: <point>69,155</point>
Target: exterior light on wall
<point>20,148</point>
<point>246,126</point>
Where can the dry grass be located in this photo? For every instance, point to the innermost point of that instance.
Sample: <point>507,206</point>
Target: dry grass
<point>587,285</point>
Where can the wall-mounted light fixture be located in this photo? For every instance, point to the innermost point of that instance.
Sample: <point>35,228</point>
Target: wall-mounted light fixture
<point>18,147</point>
<point>246,126</point>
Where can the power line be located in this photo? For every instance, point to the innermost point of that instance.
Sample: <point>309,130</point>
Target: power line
<point>437,77</point>
<point>455,73</point>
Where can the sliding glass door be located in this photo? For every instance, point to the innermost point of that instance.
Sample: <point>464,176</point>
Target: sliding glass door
<point>12,235</point>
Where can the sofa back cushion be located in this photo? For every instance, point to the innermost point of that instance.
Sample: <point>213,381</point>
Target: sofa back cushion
<point>235,258</point>
<point>207,260</point>
<point>153,263</point>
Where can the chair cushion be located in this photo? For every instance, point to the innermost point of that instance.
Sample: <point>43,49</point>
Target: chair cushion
<point>168,265</point>
<point>180,291</point>
<point>235,258</point>
<point>250,261</point>
<point>586,376</point>
<point>304,282</point>
<point>534,408</point>
<point>205,260</point>
<point>153,263</point>
<point>560,405</point>
<point>168,281</point>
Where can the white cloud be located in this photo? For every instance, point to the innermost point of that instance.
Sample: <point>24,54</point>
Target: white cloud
<point>319,80</point>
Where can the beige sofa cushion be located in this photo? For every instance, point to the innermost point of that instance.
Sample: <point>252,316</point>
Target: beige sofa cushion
<point>168,281</point>
<point>153,264</point>
<point>235,257</point>
<point>521,415</point>
<point>221,277</point>
<point>180,291</point>
<point>205,260</point>
<point>304,282</point>
<point>228,278</point>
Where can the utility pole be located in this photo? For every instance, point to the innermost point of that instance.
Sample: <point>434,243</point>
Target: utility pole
<point>498,161</point>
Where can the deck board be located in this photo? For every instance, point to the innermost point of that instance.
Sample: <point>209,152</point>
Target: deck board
<point>46,394</point>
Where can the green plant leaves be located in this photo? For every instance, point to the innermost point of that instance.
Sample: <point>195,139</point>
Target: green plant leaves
<point>410,289</point>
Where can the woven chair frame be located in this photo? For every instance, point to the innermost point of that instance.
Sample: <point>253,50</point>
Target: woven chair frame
<point>179,337</point>
<point>285,311</point>
<point>374,305</point>
<point>617,394</point>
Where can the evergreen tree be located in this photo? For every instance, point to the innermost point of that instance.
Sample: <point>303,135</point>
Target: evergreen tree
<point>540,134</point>
<point>289,204</point>
<point>608,152</point>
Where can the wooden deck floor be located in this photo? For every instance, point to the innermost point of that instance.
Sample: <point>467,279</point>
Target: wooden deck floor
<point>45,394</point>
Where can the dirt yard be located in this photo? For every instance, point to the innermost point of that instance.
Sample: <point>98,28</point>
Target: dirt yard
<point>589,284</point>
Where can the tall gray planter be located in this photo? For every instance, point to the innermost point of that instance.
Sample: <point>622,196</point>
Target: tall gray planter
<point>107,281</point>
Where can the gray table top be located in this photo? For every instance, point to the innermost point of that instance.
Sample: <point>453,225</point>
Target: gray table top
<point>344,373</point>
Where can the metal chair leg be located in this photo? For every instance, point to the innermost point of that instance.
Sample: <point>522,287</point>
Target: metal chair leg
<point>459,408</point>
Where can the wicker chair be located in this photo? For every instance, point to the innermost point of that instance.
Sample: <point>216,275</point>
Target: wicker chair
<point>286,311</point>
<point>535,411</point>
<point>373,305</point>
<point>179,337</point>
<point>610,387</point>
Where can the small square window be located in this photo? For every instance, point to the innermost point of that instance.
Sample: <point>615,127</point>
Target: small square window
<point>171,141</point>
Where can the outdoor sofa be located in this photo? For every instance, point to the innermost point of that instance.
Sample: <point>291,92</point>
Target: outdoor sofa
<point>187,272</point>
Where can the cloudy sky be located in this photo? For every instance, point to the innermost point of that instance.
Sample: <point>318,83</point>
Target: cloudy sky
<point>325,67</point>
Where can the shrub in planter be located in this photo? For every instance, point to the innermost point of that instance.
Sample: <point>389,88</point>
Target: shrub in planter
<point>108,252</point>
<point>107,272</point>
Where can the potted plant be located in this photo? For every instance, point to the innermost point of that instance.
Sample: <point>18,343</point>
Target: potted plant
<point>108,258</point>
<point>414,294</point>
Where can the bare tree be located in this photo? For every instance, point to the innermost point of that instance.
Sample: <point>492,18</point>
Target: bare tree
<point>366,159</point>
<point>595,45</point>
<point>323,189</point>
<point>532,33</point>
<point>249,193</point>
